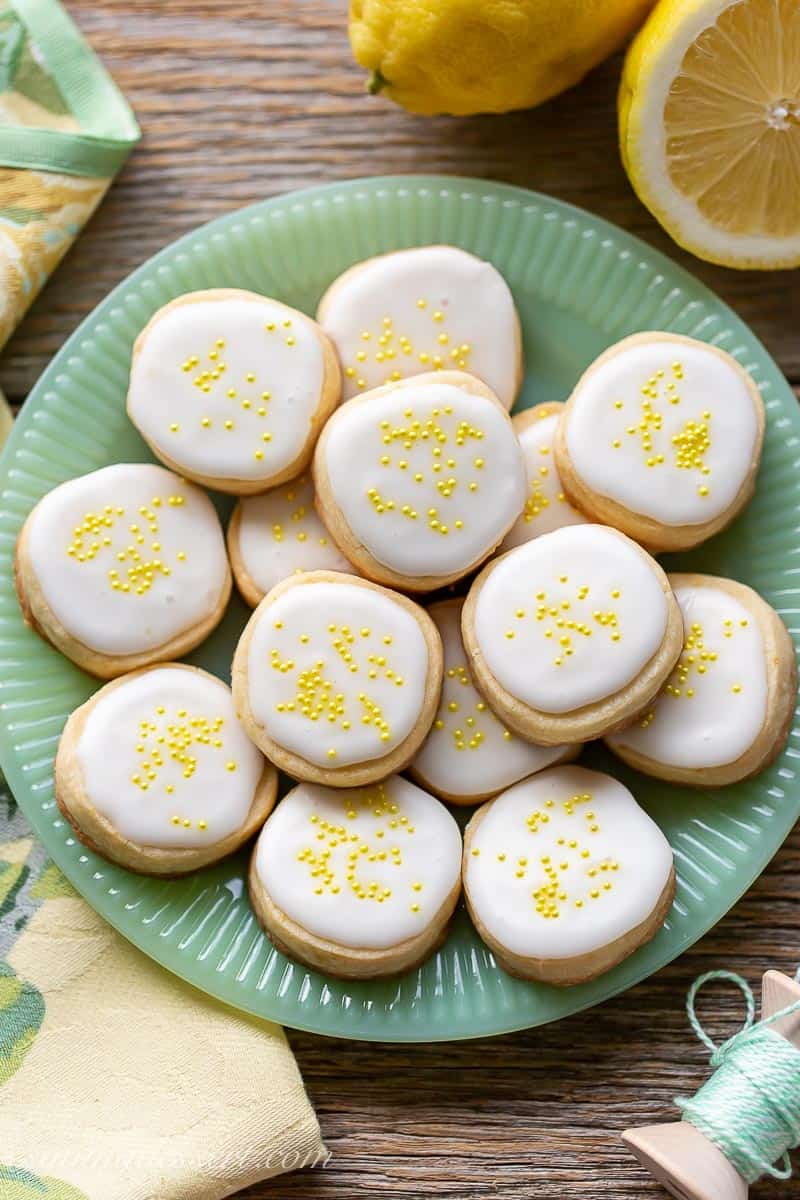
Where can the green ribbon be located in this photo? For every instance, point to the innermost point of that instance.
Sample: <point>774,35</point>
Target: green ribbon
<point>108,128</point>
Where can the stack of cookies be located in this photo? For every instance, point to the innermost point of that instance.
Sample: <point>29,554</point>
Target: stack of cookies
<point>449,602</point>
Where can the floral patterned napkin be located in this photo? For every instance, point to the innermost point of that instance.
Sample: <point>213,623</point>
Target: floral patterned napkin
<point>117,1080</point>
<point>65,130</point>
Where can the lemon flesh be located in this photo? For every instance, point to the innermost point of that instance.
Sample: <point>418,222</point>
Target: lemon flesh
<point>710,127</point>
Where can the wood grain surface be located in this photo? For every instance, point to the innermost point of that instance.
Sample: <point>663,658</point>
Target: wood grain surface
<point>242,99</point>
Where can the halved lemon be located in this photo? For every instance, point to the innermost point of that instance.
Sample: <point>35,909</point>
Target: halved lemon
<point>709,119</point>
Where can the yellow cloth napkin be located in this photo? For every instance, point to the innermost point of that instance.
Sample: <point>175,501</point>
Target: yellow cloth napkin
<point>65,130</point>
<point>117,1081</point>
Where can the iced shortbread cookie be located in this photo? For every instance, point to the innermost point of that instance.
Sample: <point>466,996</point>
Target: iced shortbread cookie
<point>278,534</point>
<point>547,507</point>
<point>727,707</point>
<point>662,438</point>
<point>427,309</point>
<point>123,567</point>
<point>336,679</point>
<point>231,388</point>
<point>571,635</point>
<point>420,480</point>
<point>565,875</point>
<point>469,754</point>
<point>359,883</point>
<point>155,772</point>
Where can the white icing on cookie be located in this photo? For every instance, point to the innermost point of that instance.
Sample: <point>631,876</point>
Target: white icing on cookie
<point>227,388</point>
<point>280,535</point>
<point>546,507</point>
<point>128,557</point>
<point>666,429</point>
<point>336,672</point>
<point>714,705</point>
<point>468,751</point>
<point>165,760</point>
<point>364,867</point>
<point>427,478</point>
<point>570,618</point>
<point>564,863</point>
<point>421,310</point>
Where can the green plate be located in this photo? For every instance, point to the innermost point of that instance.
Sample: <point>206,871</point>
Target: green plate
<point>579,284</point>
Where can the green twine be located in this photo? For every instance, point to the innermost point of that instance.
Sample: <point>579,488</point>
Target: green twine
<point>750,1108</point>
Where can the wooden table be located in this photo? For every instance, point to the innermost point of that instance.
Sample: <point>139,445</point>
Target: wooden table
<point>241,99</point>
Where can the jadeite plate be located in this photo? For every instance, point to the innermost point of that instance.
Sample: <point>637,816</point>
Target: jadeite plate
<point>579,284</point>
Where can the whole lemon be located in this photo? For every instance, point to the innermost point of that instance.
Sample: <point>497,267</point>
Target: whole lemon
<point>470,56</point>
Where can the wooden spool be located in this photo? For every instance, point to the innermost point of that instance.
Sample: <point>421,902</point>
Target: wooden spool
<point>681,1158</point>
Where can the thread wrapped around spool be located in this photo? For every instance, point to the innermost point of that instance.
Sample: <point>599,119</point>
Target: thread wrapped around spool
<point>747,1116</point>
